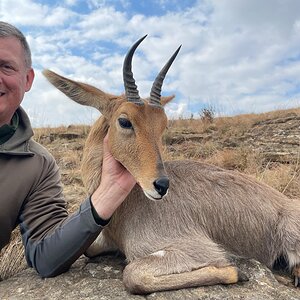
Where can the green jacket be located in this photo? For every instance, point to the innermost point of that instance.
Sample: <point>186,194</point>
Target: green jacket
<point>31,197</point>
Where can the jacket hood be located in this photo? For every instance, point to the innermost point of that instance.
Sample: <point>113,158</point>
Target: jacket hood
<point>18,144</point>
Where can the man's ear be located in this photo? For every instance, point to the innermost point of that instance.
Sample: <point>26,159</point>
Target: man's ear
<point>165,100</point>
<point>29,79</point>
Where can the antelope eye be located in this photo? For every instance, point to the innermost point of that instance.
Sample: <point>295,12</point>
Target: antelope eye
<point>125,123</point>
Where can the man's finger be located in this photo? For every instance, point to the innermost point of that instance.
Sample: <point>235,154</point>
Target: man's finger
<point>105,145</point>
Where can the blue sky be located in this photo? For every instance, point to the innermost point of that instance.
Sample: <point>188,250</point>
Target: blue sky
<point>237,56</point>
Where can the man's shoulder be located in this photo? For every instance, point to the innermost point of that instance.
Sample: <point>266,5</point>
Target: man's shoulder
<point>40,151</point>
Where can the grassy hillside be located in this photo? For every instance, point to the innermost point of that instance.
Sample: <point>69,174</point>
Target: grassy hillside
<point>265,146</point>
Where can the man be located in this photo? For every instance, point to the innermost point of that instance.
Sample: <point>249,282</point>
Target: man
<point>31,192</point>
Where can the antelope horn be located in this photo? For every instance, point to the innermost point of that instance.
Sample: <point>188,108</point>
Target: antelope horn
<point>156,87</point>
<point>131,91</point>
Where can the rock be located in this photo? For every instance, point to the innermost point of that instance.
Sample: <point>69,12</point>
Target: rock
<point>70,135</point>
<point>101,278</point>
<point>278,139</point>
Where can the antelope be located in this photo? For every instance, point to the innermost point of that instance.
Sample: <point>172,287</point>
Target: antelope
<point>184,221</point>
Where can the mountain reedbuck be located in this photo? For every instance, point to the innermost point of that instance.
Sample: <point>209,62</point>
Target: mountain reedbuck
<point>186,237</point>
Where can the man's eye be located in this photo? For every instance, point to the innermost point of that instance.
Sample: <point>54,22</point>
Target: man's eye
<point>7,68</point>
<point>125,123</point>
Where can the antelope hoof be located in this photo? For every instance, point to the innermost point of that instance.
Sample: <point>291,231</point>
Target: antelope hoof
<point>242,277</point>
<point>296,274</point>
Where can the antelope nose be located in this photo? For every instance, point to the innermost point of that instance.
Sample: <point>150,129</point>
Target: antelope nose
<point>162,185</point>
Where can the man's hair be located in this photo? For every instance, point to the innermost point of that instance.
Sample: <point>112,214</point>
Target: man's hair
<point>8,30</point>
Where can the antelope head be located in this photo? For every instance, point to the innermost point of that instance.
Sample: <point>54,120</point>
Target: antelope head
<point>135,125</point>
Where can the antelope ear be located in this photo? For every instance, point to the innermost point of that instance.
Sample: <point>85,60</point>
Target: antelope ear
<point>81,93</point>
<point>165,100</point>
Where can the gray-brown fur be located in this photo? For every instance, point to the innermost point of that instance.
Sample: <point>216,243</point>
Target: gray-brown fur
<point>209,214</point>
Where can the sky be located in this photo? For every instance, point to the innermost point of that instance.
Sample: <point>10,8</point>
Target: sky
<point>237,56</point>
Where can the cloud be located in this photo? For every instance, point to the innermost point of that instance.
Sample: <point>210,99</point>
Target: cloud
<point>31,13</point>
<point>239,56</point>
<point>104,23</point>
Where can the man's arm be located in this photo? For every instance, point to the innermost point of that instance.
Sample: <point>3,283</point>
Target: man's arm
<point>58,250</point>
<point>52,239</point>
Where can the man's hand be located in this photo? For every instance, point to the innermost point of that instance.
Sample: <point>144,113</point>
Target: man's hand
<point>116,183</point>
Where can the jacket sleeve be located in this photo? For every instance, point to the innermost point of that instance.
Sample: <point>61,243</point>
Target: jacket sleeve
<point>53,240</point>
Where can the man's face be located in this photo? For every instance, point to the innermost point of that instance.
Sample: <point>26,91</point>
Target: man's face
<point>15,77</point>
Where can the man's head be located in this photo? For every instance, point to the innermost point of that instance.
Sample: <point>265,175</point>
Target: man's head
<point>7,30</point>
<point>16,73</point>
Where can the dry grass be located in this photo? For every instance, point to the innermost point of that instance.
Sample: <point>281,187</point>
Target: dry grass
<point>211,142</point>
<point>12,257</point>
